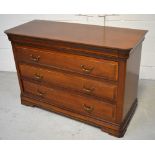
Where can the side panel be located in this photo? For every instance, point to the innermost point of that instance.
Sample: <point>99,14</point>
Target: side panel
<point>132,77</point>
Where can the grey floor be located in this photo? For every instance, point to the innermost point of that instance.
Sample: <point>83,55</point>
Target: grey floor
<point>22,122</point>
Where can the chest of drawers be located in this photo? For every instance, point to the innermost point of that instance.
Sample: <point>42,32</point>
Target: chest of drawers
<point>88,73</point>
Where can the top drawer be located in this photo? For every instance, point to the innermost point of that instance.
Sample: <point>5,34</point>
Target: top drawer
<point>81,64</point>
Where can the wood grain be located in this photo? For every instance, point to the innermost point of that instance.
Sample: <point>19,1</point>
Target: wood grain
<point>75,63</point>
<point>77,103</point>
<point>78,83</point>
<point>111,37</point>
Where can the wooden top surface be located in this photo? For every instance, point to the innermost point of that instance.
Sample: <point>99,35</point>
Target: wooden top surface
<point>108,37</point>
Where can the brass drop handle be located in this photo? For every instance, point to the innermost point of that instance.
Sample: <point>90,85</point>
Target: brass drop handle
<point>38,76</point>
<point>34,58</point>
<point>40,93</point>
<point>88,90</point>
<point>88,108</point>
<point>87,70</point>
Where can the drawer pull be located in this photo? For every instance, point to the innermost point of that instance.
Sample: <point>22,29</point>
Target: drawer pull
<point>88,108</point>
<point>38,77</point>
<point>40,94</point>
<point>88,90</point>
<point>35,58</point>
<point>86,70</point>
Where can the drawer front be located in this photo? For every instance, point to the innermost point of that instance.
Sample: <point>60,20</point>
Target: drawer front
<point>74,102</point>
<point>77,83</point>
<point>75,63</point>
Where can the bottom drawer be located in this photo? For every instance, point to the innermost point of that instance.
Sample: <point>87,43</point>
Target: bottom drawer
<point>69,101</point>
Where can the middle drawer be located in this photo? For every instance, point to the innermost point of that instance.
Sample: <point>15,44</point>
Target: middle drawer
<point>76,83</point>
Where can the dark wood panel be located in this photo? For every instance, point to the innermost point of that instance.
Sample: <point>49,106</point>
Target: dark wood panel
<point>77,83</point>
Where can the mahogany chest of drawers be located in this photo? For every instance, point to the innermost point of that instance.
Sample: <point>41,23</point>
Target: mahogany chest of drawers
<point>86,72</point>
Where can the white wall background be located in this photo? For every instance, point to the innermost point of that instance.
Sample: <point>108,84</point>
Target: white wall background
<point>146,22</point>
